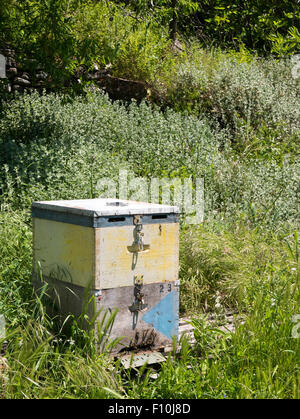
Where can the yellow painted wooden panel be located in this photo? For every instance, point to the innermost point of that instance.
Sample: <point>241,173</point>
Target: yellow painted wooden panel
<point>116,265</point>
<point>65,251</point>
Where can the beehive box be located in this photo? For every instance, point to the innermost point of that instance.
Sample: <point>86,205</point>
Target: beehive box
<point>125,253</point>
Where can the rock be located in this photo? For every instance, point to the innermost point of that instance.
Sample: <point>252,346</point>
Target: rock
<point>9,52</point>
<point>3,348</point>
<point>96,75</point>
<point>10,62</point>
<point>21,81</point>
<point>41,75</point>
<point>11,72</point>
<point>16,88</point>
<point>25,76</point>
<point>122,89</point>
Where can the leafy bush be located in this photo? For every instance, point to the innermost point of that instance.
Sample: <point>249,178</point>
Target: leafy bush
<point>68,36</point>
<point>74,144</point>
<point>240,94</point>
<point>82,133</point>
<point>287,44</point>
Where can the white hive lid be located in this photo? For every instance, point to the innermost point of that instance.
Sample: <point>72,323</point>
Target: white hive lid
<point>105,207</point>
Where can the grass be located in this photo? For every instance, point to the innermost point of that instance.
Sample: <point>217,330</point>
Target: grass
<point>254,273</point>
<point>220,265</point>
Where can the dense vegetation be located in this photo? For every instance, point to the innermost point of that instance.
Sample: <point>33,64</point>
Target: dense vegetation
<point>228,116</point>
<point>135,40</point>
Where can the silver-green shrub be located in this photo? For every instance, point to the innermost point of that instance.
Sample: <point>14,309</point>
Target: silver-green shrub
<point>242,94</point>
<point>53,149</point>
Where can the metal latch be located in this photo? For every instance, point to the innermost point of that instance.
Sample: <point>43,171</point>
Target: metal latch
<point>139,303</point>
<point>138,245</point>
<point>137,221</point>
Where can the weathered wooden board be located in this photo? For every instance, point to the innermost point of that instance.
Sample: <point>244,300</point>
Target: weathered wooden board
<point>150,328</point>
<point>138,360</point>
<point>65,251</point>
<point>105,257</point>
<point>117,262</point>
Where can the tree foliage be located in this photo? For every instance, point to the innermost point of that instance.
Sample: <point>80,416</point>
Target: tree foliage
<point>249,22</point>
<point>63,35</point>
<point>258,24</point>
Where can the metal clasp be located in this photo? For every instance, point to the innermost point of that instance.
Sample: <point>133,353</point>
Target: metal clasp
<point>139,303</point>
<point>137,221</point>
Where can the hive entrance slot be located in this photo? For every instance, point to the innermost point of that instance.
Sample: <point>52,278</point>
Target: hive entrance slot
<point>116,219</point>
<point>159,216</point>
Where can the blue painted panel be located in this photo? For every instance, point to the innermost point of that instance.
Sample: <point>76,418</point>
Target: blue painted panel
<point>164,315</point>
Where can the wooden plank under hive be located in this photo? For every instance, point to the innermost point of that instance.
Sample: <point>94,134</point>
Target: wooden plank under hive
<point>124,253</point>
